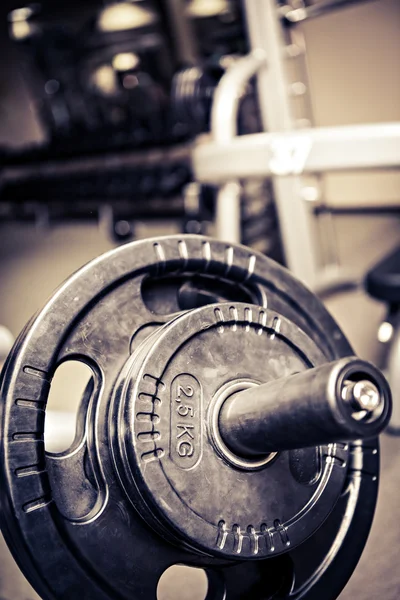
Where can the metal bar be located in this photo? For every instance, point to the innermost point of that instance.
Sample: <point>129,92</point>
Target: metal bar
<point>224,128</point>
<point>266,33</point>
<point>305,151</point>
<point>357,210</point>
<point>229,92</point>
<point>346,399</point>
<point>45,167</point>
<point>150,209</point>
<point>320,9</point>
<point>183,38</point>
<point>325,229</point>
<point>228,213</point>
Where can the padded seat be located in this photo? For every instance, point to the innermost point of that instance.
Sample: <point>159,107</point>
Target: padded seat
<point>383,280</point>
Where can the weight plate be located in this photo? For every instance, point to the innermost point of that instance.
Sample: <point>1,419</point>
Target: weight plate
<point>103,547</point>
<point>163,408</point>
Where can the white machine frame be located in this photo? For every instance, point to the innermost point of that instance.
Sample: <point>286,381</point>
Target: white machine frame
<point>292,148</point>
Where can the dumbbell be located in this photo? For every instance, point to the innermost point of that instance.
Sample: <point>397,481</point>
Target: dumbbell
<point>227,426</point>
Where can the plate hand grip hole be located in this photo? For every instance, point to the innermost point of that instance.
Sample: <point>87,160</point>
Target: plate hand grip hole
<point>70,392</point>
<point>183,583</point>
<point>173,293</point>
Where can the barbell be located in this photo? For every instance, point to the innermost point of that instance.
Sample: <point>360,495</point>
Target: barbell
<point>227,426</point>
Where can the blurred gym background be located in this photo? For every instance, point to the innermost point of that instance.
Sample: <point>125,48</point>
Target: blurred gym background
<point>100,105</point>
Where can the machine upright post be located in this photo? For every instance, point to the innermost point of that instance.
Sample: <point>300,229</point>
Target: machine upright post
<point>265,31</point>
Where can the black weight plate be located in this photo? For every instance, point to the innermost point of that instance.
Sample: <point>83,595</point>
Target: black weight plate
<point>168,446</point>
<point>99,316</point>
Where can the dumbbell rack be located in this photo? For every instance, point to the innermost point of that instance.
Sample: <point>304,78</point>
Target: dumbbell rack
<point>292,148</point>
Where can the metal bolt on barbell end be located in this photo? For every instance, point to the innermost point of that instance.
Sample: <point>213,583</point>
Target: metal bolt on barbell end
<point>363,395</point>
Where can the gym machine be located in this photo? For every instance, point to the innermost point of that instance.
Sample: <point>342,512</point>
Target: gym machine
<point>226,426</point>
<point>289,148</point>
